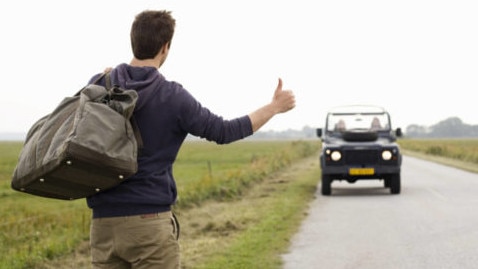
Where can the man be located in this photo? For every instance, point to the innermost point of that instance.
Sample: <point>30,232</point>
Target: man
<point>132,225</point>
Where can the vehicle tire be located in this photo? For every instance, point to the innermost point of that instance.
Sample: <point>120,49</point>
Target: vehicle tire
<point>395,184</point>
<point>326,185</point>
<point>386,182</point>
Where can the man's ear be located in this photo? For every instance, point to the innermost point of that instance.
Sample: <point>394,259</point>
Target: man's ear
<point>165,48</point>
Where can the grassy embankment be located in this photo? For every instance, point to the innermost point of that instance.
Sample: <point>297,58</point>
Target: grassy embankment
<point>253,229</point>
<point>460,153</point>
<point>38,230</point>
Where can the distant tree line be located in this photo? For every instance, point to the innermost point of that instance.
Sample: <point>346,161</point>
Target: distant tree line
<point>306,133</point>
<point>450,128</point>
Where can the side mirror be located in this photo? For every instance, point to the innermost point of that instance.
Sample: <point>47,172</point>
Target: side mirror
<point>398,132</point>
<point>319,132</point>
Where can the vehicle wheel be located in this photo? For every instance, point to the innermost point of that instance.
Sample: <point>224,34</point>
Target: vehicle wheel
<point>386,182</point>
<point>326,185</point>
<point>395,184</point>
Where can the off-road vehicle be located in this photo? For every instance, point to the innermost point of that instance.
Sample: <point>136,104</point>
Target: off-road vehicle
<point>358,143</point>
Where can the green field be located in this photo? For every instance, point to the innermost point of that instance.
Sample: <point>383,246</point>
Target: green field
<point>34,229</point>
<point>461,153</point>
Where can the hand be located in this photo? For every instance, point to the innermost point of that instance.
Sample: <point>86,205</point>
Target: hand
<point>283,100</point>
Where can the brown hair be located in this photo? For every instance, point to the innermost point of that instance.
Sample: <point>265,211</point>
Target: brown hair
<point>150,31</point>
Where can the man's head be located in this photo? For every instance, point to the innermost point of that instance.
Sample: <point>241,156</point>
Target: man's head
<point>151,30</point>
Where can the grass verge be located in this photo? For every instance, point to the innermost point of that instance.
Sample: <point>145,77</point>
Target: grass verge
<point>254,231</point>
<point>467,166</point>
<point>459,153</point>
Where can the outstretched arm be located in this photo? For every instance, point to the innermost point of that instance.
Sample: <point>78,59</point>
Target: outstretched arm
<point>282,101</point>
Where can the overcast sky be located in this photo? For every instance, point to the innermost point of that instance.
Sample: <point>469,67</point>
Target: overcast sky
<point>416,58</point>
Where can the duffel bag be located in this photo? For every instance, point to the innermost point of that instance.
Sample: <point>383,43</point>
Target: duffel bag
<point>88,144</point>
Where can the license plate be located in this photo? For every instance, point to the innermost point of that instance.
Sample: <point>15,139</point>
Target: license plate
<point>361,171</point>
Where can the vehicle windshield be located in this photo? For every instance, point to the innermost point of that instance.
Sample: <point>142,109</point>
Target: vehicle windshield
<point>339,122</point>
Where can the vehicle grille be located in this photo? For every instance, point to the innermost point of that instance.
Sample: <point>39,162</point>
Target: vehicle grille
<point>359,157</point>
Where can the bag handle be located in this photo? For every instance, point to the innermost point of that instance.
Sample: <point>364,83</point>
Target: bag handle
<point>137,134</point>
<point>134,124</point>
<point>94,82</point>
<point>107,73</point>
<point>108,83</point>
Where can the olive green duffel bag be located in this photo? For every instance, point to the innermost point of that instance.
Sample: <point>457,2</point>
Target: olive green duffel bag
<point>86,145</point>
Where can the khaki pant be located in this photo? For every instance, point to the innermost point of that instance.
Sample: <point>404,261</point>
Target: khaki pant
<point>135,242</point>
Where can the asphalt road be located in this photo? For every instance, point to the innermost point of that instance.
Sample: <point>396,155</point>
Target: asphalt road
<point>433,223</point>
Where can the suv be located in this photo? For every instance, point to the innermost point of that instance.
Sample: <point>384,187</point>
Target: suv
<point>358,143</point>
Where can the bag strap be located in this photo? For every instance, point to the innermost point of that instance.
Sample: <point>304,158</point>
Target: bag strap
<point>94,82</point>
<point>137,134</point>
<point>100,77</point>
<point>134,124</point>
<point>108,83</point>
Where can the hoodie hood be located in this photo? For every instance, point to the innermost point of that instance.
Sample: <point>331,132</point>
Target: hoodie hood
<point>144,80</point>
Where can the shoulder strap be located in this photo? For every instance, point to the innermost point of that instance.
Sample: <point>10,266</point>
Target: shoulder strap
<point>137,134</point>
<point>100,77</point>
<point>108,83</point>
<point>94,82</point>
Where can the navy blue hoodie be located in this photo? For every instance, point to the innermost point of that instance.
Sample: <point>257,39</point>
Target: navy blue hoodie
<point>165,113</point>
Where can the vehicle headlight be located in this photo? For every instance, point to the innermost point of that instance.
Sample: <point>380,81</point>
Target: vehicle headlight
<point>335,155</point>
<point>386,155</point>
